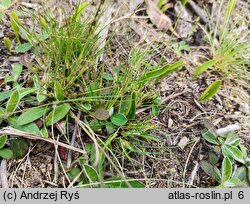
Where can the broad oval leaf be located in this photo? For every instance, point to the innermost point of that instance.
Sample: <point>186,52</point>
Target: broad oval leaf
<point>4,95</point>
<point>211,90</point>
<point>233,182</point>
<point>234,152</point>
<point>241,173</point>
<point>3,140</point>
<point>6,153</point>
<point>57,114</point>
<point>31,115</point>
<point>213,159</point>
<point>75,172</point>
<point>19,147</point>
<point>59,93</point>
<point>234,142</point>
<point>207,135</point>
<point>26,91</point>
<point>23,48</point>
<point>17,70</point>
<point>13,102</point>
<point>91,173</point>
<point>31,127</point>
<point>226,169</point>
<point>110,128</point>
<point>216,174</point>
<point>203,67</point>
<point>100,114</point>
<point>119,119</point>
<point>211,170</point>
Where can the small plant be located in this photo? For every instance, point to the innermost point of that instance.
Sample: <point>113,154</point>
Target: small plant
<point>230,51</point>
<point>5,153</point>
<point>66,80</point>
<point>235,168</point>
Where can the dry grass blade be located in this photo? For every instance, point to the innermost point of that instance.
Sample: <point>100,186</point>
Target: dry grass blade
<point>17,133</point>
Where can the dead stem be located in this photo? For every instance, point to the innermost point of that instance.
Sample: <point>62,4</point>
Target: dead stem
<point>17,133</point>
<point>3,174</point>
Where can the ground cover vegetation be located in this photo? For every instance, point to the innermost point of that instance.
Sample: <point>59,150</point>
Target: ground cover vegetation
<point>103,113</point>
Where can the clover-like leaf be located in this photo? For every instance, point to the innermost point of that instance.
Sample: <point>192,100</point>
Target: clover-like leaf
<point>119,119</point>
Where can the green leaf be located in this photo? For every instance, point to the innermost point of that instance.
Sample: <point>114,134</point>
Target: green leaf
<point>216,174</point>
<point>183,46</point>
<point>19,147</point>
<point>160,73</point>
<point>184,2</point>
<point>3,140</point>
<point>116,182</point>
<point>6,3</point>
<point>213,159</point>
<point>211,170</point>
<point>91,173</point>
<point>23,48</point>
<point>13,102</point>
<point>210,137</point>
<point>31,127</point>
<point>6,153</point>
<point>2,115</point>
<point>87,106</point>
<point>14,21</point>
<point>202,68</point>
<point>234,142</point>
<point>26,91</point>
<point>211,90</point>
<point>132,106</point>
<point>119,119</point>
<point>107,76</point>
<point>79,10</point>
<point>155,111</point>
<point>31,115</point>
<point>233,182</point>
<point>44,132</point>
<point>59,93</point>
<point>8,79</point>
<point>57,114</point>
<point>230,151</point>
<point>226,169</point>
<point>96,125</point>
<point>1,17</point>
<point>4,95</point>
<point>17,70</point>
<point>7,43</point>
<point>241,173</point>
<point>74,173</point>
<point>100,114</point>
<point>110,128</point>
<point>244,151</point>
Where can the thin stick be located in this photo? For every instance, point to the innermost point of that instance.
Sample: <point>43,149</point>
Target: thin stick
<point>189,155</point>
<point>73,139</point>
<point>17,133</point>
<point>3,174</point>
